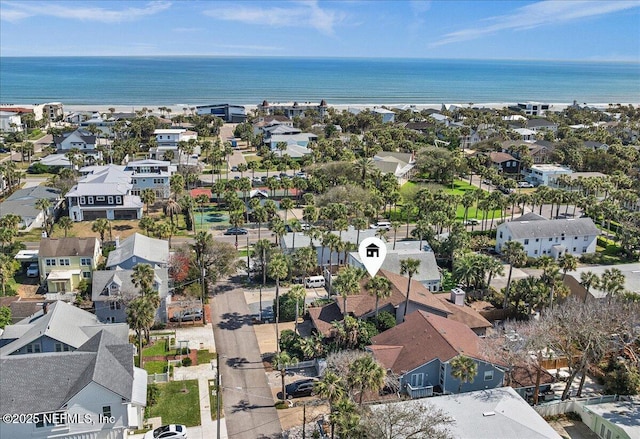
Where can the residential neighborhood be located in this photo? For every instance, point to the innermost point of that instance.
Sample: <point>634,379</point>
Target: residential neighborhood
<point>145,255</point>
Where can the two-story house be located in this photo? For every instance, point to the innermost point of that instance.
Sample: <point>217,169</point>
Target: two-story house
<point>106,192</point>
<point>93,392</point>
<point>168,140</point>
<point>420,351</point>
<point>82,140</point>
<point>23,203</point>
<point>151,174</point>
<point>544,173</point>
<point>293,109</point>
<point>543,237</point>
<point>64,262</point>
<point>227,112</point>
<point>400,164</point>
<point>114,289</point>
<point>138,249</point>
<point>56,327</point>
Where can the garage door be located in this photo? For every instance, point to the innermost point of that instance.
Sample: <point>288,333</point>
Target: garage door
<point>94,214</point>
<point>125,214</point>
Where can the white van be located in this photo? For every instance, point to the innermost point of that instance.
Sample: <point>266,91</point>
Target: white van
<point>386,225</point>
<point>314,282</point>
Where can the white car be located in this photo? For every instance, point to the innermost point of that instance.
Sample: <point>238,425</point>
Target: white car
<point>524,184</point>
<point>32,270</point>
<point>386,225</point>
<point>172,431</point>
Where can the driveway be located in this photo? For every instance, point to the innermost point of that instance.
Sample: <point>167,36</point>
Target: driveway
<point>247,397</point>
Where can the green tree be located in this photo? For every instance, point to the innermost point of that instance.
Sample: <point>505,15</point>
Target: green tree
<point>143,276</point>
<point>515,255</point>
<point>380,288</point>
<point>612,283</point>
<point>463,369</point>
<point>278,269</point>
<point>332,388</point>
<point>305,260</point>
<point>286,204</point>
<point>65,224</point>
<point>280,361</point>
<point>140,316</point>
<point>100,226</point>
<point>5,316</point>
<point>567,262</point>
<point>409,267</point>
<point>366,374</point>
<point>345,417</point>
<point>172,208</point>
<point>44,205</point>
<point>148,197</point>
<point>347,284</point>
<point>146,223</point>
<point>589,279</point>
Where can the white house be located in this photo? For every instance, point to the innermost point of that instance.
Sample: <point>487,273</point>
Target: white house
<point>534,108</point>
<point>168,139</point>
<point>293,109</point>
<point>82,140</point>
<point>526,135</point>
<point>543,237</point>
<point>544,174</point>
<point>400,164</point>
<point>10,121</point>
<point>151,174</point>
<point>388,116</point>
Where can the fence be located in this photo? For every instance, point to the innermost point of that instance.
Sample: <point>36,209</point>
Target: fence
<point>555,408</point>
<point>158,378</point>
<point>318,364</point>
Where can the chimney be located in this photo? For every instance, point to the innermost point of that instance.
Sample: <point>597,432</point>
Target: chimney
<point>117,241</point>
<point>457,296</point>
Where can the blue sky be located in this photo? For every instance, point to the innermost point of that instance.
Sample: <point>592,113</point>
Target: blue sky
<point>562,30</point>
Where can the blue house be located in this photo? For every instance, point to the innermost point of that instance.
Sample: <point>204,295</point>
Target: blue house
<point>420,351</point>
<point>138,249</point>
<point>151,174</point>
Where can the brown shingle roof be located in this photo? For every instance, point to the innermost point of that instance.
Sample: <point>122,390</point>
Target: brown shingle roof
<point>526,377</point>
<point>500,157</point>
<point>323,317</point>
<point>418,294</point>
<point>55,247</point>
<point>425,337</point>
<point>464,314</point>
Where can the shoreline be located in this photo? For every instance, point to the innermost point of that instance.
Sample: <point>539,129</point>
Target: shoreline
<point>180,108</point>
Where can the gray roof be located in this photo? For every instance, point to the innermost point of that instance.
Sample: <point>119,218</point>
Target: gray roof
<point>623,414</point>
<point>140,246</point>
<point>62,322</point>
<point>102,279</point>
<point>22,202</point>
<point>349,235</point>
<point>550,228</point>
<point>56,247</point>
<point>37,383</point>
<point>535,123</point>
<point>493,413</point>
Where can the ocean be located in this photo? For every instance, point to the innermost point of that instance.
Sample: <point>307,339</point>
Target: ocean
<point>249,81</point>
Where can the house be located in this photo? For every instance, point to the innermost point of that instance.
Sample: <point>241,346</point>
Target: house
<point>540,236</point>
<point>56,327</point>
<point>467,141</point>
<point>538,125</point>
<point>524,379</point>
<point>228,113</point>
<point>593,145</point>
<point>485,414</point>
<point>168,140</point>
<point>151,174</point>
<point>615,419</point>
<point>105,192</point>
<point>534,108</point>
<point>400,164</point>
<point>542,174</point>
<point>300,239</point>
<point>388,116</point>
<point>57,161</point>
<point>112,290</point>
<point>526,135</point>
<point>54,111</point>
<point>419,351</point>
<point>503,162</point>
<point>138,249</point>
<point>82,140</point>
<point>23,203</point>
<point>92,392</point>
<point>428,273</point>
<point>64,262</point>
<point>102,126</point>
<point>10,122</point>
<point>293,109</point>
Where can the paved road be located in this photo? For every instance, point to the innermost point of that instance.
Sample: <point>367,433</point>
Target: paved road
<point>247,398</point>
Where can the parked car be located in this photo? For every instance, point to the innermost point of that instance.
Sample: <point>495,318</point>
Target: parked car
<point>524,184</point>
<point>33,270</point>
<point>301,175</point>
<point>234,169</point>
<point>300,388</point>
<point>171,431</point>
<point>187,316</point>
<point>471,222</point>
<point>382,225</point>
<point>235,231</point>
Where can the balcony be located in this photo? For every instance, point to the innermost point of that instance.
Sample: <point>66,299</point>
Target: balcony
<point>419,392</point>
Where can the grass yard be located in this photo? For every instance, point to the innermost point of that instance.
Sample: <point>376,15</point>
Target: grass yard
<point>204,356</point>
<point>213,395</point>
<point>158,348</point>
<point>176,406</point>
<point>155,366</point>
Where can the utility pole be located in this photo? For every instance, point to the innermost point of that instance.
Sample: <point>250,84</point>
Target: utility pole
<point>304,420</point>
<point>218,395</point>
<point>202,274</point>
<point>248,261</point>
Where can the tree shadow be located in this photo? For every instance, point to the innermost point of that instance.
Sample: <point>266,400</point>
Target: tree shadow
<point>243,405</point>
<point>233,321</point>
<point>122,227</point>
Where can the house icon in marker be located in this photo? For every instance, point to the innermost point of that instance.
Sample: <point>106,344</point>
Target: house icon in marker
<point>373,251</point>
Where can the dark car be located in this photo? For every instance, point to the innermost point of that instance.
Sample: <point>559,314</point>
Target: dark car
<point>235,231</point>
<point>300,388</point>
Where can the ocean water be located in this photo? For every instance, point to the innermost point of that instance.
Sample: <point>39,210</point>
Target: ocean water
<point>206,80</point>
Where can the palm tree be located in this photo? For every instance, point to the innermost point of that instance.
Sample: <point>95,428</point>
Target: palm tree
<point>140,315</point>
<point>348,283</point>
<point>278,269</point>
<point>464,369</point>
<point>568,262</point>
<point>172,208</point>
<point>367,374</point>
<point>380,288</point>
<point>514,254</point>
<point>395,225</point>
<point>65,224</point>
<point>101,225</point>
<point>146,223</point>
<point>359,224</point>
<point>612,282</point>
<point>44,204</point>
<point>148,196</point>
<point>332,388</point>
<point>8,268</point>
<point>259,216</point>
<point>281,361</point>
<point>305,260</point>
<point>143,276</point>
<point>550,272</point>
<point>345,417</point>
<point>589,279</point>
<point>409,267</point>
<point>201,200</point>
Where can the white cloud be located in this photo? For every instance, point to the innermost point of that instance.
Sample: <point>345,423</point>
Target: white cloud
<point>76,11</point>
<point>306,14</point>
<point>536,15</point>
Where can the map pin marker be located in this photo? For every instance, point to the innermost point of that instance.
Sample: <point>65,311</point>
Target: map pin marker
<point>372,252</point>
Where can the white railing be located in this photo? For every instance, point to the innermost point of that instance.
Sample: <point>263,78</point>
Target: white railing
<point>419,392</point>
<point>158,378</point>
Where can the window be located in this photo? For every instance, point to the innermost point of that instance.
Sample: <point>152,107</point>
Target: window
<point>110,199</point>
<point>535,252</point>
<point>100,198</point>
<point>417,380</point>
<point>60,347</point>
<point>488,375</point>
<point>106,411</point>
<point>34,348</point>
<point>64,262</point>
<point>584,249</point>
<point>114,305</point>
<point>601,430</point>
<point>537,239</point>
<point>90,200</point>
<point>574,249</point>
<point>586,238</point>
<point>500,234</point>
<point>50,262</point>
<point>86,275</point>
<point>608,434</point>
<point>526,242</point>
<point>118,199</point>
<point>550,239</point>
<point>83,200</point>
<point>85,261</point>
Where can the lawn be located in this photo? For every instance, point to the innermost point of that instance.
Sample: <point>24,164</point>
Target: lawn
<point>155,366</point>
<point>214,401</point>
<point>158,348</point>
<point>176,406</point>
<point>204,356</point>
